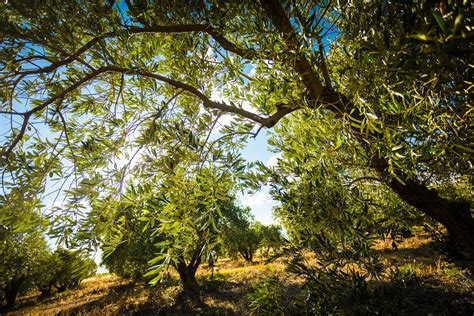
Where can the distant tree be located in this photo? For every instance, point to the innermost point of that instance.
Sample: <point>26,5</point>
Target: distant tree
<point>135,239</point>
<point>45,278</point>
<point>271,238</point>
<point>131,242</point>
<point>26,261</point>
<point>22,245</point>
<point>180,219</point>
<point>241,238</point>
<point>73,268</point>
<point>21,259</point>
<point>62,269</point>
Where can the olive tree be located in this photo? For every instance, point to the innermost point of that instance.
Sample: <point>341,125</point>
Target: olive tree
<point>63,269</point>
<point>131,244</point>
<point>272,238</point>
<point>22,244</point>
<point>241,238</point>
<point>20,264</point>
<point>395,76</point>
<point>22,254</point>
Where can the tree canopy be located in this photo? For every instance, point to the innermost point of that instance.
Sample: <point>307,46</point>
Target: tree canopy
<point>92,90</point>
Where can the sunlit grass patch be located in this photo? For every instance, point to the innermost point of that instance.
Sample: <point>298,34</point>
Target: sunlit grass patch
<point>225,290</point>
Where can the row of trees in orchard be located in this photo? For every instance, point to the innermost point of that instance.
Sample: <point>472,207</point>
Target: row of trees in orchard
<point>134,241</point>
<point>243,237</point>
<point>27,263</point>
<point>135,111</point>
<point>179,207</point>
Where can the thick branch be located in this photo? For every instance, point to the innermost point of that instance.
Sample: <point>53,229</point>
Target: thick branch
<point>70,58</point>
<point>282,23</point>
<point>18,138</point>
<point>186,28</point>
<point>455,216</point>
<point>61,95</point>
<point>208,103</point>
<point>324,66</point>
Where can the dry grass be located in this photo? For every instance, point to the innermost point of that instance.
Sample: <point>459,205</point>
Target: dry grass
<point>225,290</point>
<point>90,291</point>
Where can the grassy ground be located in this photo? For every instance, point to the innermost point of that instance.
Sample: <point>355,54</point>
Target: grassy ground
<point>427,284</point>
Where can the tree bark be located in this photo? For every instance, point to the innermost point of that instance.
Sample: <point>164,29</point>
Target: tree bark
<point>46,291</point>
<point>455,216</point>
<point>187,276</point>
<point>247,255</point>
<point>11,291</point>
<point>190,297</point>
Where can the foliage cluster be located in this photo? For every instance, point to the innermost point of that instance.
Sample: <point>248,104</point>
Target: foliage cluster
<point>27,263</point>
<point>64,269</point>
<point>267,297</point>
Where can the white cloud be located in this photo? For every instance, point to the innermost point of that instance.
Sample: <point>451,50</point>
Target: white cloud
<point>210,55</point>
<point>54,207</point>
<point>252,71</point>
<point>226,119</point>
<point>247,106</point>
<point>257,199</point>
<point>217,96</point>
<point>261,204</point>
<point>273,160</point>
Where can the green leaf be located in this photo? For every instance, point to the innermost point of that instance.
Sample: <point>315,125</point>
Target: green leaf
<point>440,20</point>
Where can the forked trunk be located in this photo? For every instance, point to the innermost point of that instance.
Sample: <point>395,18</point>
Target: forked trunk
<point>247,255</point>
<point>188,280</point>
<point>189,297</point>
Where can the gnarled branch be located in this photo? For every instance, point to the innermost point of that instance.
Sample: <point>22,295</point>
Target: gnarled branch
<point>270,121</point>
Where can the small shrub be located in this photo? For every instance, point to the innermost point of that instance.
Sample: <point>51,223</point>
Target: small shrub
<point>404,275</point>
<point>451,270</point>
<point>267,297</point>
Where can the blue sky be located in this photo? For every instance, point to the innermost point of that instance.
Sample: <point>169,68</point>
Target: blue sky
<point>260,202</point>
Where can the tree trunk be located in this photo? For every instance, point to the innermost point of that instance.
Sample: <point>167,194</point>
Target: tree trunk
<point>46,292</point>
<point>11,298</point>
<point>11,292</point>
<point>188,279</point>
<point>455,216</point>
<point>61,288</point>
<point>247,255</point>
<point>189,297</point>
